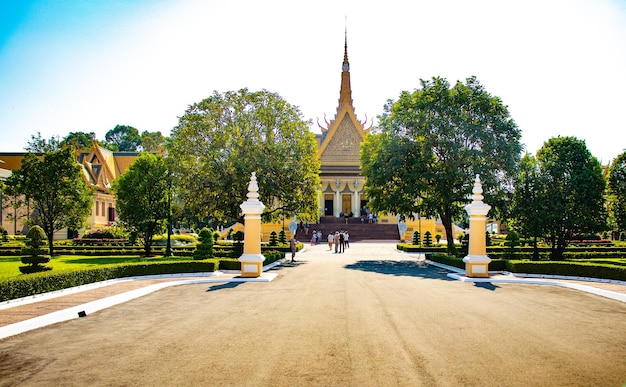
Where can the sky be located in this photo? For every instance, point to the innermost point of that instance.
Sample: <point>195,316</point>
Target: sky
<point>89,65</point>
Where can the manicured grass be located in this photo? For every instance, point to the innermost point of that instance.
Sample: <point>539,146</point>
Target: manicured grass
<point>9,266</point>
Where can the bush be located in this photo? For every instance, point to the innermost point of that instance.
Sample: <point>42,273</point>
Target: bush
<point>35,252</point>
<point>428,239</point>
<point>113,232</point>
<point>204,249</point>
<point>273,239</point>
<point>238,236</point>
<point>511,241</point>
<point>282,237</point>
<point>416,238</point>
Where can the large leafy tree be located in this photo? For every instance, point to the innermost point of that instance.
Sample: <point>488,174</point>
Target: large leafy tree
<point>222,139</point>
<point>152,141</point>
<point>123,138</point>
<point>142,193</point>
<point>38,144</point>
<point>430,145</point>
<point>54,186</point>
<point>571,192</point>
<point>617,192</point>
<point>528,204</point>
<point>79,140</point>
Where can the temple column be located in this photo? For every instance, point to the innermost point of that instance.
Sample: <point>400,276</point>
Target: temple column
<point>337,198</point>
<point>356,210</point>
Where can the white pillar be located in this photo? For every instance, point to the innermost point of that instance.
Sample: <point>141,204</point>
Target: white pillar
<point>477,261</point>
<point>337,198</point>
<point>356,208</point>
<point>252,259</point>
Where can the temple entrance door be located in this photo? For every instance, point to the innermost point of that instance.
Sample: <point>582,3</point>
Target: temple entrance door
<point>346,203</point>
<point>329,205</point>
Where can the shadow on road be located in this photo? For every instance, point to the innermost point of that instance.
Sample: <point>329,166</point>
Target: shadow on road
<point>227,285</point>
<point>486,285</point>
<point>401,268</point>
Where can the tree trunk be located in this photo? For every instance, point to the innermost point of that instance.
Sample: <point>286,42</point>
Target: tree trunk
<point>446,220</point>
<point>49,229</point>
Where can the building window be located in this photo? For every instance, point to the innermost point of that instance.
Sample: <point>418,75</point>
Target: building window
<point>97,208</point>
<point>103,213</point>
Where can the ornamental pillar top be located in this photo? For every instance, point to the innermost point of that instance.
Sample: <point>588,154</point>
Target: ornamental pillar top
<point>253,188</point>
<point>478,190</point>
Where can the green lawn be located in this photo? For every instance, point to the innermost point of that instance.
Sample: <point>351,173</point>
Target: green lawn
<point>9,266</point>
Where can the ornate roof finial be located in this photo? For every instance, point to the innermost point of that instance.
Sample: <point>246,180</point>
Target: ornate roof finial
<point>345,94</point>
<point>346,64</point>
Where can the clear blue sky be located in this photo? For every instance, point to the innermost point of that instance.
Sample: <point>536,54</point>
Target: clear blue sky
<point>75,65</point>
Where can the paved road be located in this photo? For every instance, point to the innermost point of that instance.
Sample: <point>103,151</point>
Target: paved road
<point>370,316</point>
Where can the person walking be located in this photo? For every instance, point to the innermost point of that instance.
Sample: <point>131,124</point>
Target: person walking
<point>342,245</point>
<point>346,238</point>
<point>294,248</point>
<point>336,241</point>
<point>331,239</point>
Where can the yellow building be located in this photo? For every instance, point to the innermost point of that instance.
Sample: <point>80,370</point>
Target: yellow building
<point>99,166</point>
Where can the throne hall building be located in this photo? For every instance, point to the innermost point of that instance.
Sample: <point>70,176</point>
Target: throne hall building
<point>339,154</point>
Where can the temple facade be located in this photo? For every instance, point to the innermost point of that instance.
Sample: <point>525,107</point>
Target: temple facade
<point>339,147</point>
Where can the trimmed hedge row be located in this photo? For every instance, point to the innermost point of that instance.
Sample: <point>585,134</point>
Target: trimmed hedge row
<point>46,282</point>
<point>43,283</point>
<point>271,256</point>
<point>565,268</point>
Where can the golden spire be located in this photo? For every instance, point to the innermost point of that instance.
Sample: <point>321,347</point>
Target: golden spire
<point>345,94</point>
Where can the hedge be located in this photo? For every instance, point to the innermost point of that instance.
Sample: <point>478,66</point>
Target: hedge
<point>43,283</point>
<point>568,268</point>
<point>565,268</point>
<point>271,256</point>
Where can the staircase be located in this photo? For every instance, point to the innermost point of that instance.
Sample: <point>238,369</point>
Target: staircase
<point>358,231</point>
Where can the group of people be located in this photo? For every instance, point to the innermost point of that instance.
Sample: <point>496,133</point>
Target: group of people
<point>316,237</point>
<point>341,240</point>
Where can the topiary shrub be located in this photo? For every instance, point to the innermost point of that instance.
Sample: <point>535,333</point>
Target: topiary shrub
<point>417,239</point>
<point>438,237</point>
<point>273,239</point>
<point>512,241</point>
<point>204,249</point>
<point>35,252</point>
<point>428,239</point>
<point>487,238</point>
<point>4,235</point>
<point>282,238</point>
<point>238,236</point>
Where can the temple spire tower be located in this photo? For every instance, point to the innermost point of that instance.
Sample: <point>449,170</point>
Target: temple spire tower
<point>345,93</point>
<point>339,154</point>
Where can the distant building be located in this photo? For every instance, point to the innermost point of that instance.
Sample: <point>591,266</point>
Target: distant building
<point>100,167</point>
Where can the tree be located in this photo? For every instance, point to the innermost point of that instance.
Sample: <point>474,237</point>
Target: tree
<point>54,185</point>
<point>226,137</point>
<point>34,253</point>
<point>571,192</point>
<point>204,249</point>
<point>152,142</point>
<point>617,192</point>
<point>528,206</point>
<point>38,144</point>
<point>142,194</point>
<point>430,145</point>
<point>123,138</point>
<point>79,140</point>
